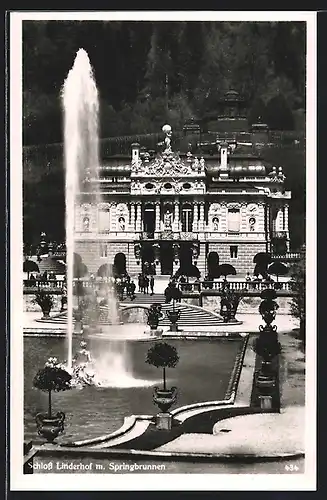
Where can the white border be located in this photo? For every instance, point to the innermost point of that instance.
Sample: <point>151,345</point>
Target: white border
<point>209,482</point>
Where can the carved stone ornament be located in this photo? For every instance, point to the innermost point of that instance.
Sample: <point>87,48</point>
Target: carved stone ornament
<point>231,206</point>
<point>252,208</point>
<point>214,209</point>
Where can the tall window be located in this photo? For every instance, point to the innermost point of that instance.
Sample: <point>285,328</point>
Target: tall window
<point>234,220</point>
<point>103,250</point>
<point>187,218</point>
<point>233,251</point>
<point>104,221</point>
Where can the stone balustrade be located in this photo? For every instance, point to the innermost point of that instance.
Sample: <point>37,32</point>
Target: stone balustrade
<point>238,286</point>
<point>288,256</point>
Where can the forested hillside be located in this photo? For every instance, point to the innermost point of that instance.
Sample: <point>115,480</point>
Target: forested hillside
<point>149,73</point>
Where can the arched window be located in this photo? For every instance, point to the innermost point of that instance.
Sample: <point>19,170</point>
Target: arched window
<point>213,264</point>
<point>187,218</point>
<point>119,264</point>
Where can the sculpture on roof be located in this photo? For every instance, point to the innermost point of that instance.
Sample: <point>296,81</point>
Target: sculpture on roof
<point>167,130</point>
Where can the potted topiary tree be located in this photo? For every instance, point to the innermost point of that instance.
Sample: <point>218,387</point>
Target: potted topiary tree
<point>163,355</point>
<point>45,301</point>
<point>52,377</point>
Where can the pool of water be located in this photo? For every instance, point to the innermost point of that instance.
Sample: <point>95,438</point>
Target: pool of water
<point>202,374</point>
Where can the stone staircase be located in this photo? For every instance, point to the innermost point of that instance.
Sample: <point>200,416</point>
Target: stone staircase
<point>190,315</point>
<point>143,298</point>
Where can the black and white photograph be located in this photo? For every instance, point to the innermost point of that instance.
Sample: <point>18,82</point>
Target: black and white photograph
<point>163,240</point>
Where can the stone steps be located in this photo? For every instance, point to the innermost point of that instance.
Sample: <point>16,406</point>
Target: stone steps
<point>190,315</point>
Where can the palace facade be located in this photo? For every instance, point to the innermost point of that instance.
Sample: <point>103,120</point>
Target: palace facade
<point>182,211</point>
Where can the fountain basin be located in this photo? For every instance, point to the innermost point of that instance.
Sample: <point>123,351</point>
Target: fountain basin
<point>202,374</point>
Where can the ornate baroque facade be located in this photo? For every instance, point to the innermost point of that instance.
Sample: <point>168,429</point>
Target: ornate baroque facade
<point>179,211</point>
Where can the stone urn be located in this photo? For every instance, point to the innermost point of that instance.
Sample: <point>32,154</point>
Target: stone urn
<point>154,315</point>
<point>50,427</point>
<point>173,316</point>
<point>45,301</point>
<point>164,398</point>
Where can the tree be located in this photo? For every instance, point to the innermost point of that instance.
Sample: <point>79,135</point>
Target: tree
<point>278,114</point>
<point>297,284</point>
<point>52,377</point>
<point>162,355</point>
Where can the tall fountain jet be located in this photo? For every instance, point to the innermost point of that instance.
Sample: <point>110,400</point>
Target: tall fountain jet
<point>81,153</point>
<point>113,367</point>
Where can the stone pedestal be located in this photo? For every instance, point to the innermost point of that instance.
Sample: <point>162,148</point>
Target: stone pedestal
<point>164,421</point>
<point>154,333</point>
<point>265,402</point>
<point>78,327</point>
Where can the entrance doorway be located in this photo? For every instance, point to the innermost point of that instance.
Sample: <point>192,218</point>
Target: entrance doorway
<point>147,254</point>
<point>119,267</point>
<point>166,257</point>
<point>213,265</point>
<point>186,258</point>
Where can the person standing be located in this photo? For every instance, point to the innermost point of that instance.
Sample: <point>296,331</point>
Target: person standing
<point>146,284</point>
<point>152,284</point>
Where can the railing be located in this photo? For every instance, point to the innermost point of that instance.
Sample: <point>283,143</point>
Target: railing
<point>146,235</point>
<point>215,235</point>
<point>195,287</point>
<point>288,256</point>
<point>239,286</point>
<point>279,234</point>
<point>35,285</point>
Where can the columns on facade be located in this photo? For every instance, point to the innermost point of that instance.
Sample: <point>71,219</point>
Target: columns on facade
<point>286,208</point>
<point>195,217</point>
<point>138,216</point>
<point>157,227</point>
<point>261,218</point>
<point>268,224</point>
<point>176,216</point>
<point>201,218</point>
<point>279,220</point>
<point>132,219</point>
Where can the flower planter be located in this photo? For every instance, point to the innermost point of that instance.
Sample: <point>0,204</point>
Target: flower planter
<point>164,398</point>
<point>266,384</point>
<point>46,313</point>
<point>50,427</point>
<point>173,317</point>
<point>154,315</point>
